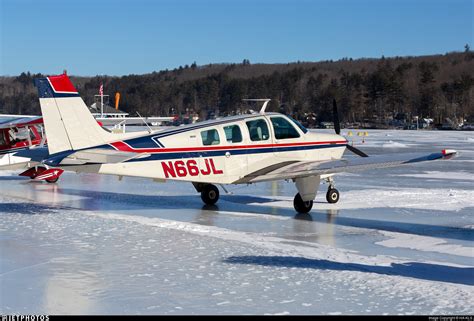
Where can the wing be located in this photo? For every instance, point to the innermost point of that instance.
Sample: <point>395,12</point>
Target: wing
<point>304,169</point>
<point>93,156</point>
<point>108,121</point>
<point>9,121</point>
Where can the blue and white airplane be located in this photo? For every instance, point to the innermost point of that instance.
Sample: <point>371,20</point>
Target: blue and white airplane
<point>233,150</point>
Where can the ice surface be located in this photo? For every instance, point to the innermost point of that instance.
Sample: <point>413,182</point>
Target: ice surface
<point>392,144</point>
<point>400,241</point>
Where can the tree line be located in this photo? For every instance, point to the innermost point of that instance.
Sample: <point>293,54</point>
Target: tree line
<point>367,90</point>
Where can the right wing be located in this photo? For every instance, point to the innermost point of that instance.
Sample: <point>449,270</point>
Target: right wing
<point>315,168</point>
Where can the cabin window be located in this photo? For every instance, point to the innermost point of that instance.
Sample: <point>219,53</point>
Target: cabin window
<point>210,137</point>
<point>258,130</point>
<point>283,129</point>
<point>233,134</point>
<point>2,139</point>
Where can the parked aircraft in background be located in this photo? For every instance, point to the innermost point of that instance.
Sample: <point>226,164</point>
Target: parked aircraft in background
<point>232,150</point>
<point>22,146</point>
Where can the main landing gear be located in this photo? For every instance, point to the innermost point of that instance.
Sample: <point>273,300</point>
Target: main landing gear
<point>308,187</point>
<point>302,206</point>
<point>40,173</point>
<point>209,193</point>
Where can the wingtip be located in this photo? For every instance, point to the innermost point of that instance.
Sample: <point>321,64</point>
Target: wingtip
<point>448,153</point>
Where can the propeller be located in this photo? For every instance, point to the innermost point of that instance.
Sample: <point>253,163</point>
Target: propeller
<point>356,151</point>
<point>337,129</point>
<point>335,116</point>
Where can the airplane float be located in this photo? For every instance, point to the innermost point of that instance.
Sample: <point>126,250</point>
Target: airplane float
<point>242,149</point>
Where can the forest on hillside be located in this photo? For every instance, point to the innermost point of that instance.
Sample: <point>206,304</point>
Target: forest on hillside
<point>376,91</point>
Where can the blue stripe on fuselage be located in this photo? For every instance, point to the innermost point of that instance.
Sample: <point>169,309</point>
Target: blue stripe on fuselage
<point>216,153</point>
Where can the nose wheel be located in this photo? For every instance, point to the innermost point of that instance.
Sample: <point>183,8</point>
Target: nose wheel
<point>332,195</point>
<point>302,206</point>
<point>209,194</point>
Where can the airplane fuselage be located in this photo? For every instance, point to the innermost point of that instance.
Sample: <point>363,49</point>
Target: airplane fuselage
<point>223,151</point>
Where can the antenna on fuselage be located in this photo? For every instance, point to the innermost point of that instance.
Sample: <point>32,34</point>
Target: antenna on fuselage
<point>264,106</point>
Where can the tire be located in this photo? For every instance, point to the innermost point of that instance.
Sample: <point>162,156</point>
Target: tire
<point>210,194</point>
<point>52,180</point>
<point>332,196</point>
<point>301,206</point>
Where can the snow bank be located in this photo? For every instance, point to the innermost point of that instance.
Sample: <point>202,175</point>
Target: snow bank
<point>424,243</point>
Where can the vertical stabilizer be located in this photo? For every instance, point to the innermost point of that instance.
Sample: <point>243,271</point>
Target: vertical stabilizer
<point>68,122</point>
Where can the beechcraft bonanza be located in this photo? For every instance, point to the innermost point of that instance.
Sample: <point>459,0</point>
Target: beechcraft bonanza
<point>233,150</point>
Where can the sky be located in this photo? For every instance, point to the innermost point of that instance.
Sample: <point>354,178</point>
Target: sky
<point>121,37</point>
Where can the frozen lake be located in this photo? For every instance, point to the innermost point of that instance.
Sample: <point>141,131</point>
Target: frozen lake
<point>400,241</point>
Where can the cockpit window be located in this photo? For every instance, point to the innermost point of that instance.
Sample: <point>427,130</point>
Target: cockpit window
<point>210,137</point>
<point>297,123</point>
<point>283,129</point>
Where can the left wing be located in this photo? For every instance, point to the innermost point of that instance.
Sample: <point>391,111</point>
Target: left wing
<point>312,168</point>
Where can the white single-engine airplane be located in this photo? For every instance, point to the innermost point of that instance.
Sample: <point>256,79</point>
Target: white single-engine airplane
<point>233,150</point>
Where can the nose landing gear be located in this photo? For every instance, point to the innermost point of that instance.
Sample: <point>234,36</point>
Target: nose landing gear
<point>332,195</point>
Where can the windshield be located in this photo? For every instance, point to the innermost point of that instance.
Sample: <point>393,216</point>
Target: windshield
<point>297,123</point>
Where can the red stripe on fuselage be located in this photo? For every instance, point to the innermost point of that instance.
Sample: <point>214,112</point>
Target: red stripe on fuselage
<point>124,147</point>
<point>61,83</point>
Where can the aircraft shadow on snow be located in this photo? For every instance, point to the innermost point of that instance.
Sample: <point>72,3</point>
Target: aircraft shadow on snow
<point>100,200</point>
<point>417,270</point>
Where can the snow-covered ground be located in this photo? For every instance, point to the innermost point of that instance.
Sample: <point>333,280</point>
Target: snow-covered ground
<point>400,241</point>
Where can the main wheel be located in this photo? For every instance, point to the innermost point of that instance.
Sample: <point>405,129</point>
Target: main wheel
<point>302,206</point>
<point>210,194</point>
<point>332,196</point>
<point>52,180</point>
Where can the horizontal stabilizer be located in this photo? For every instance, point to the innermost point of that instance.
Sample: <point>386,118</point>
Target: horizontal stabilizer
<point>304,169</point>
<point>99,156</point>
